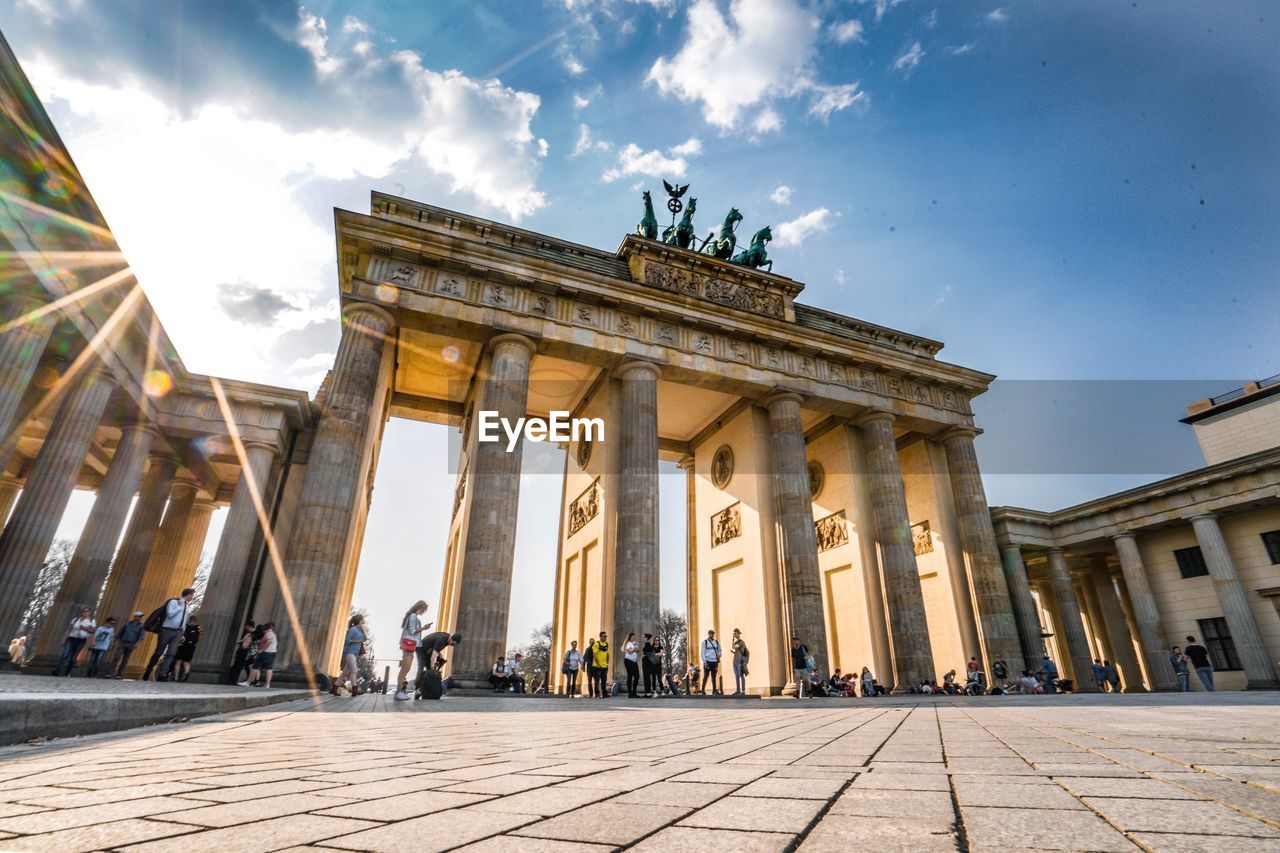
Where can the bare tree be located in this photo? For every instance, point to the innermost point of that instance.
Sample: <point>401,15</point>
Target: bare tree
<point>366,664</point>
<point>47,583</point>
<point>673,629</point>
<point>201,582</point>
<point>537,653</point>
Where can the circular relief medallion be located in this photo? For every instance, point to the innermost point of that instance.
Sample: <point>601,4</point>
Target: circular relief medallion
<point>584,453</point>
<point>722,466</point>
<point>817,478</point>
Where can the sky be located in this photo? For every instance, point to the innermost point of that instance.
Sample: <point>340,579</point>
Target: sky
<point>1079,198</point>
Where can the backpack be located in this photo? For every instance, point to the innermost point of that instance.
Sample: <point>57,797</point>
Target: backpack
<point>156,620</point>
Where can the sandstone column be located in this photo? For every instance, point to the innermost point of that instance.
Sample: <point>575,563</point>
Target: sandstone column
<point>912,651</point>
<point>165,576</point>
<point>484,600</point>
<point>636,579</point>
<point>92,560</point>
<point>1070,622</point>
<point>30,531</point>
<point>20,349</point>
<point>130,563</point>
<point>231,562</point>
<point>331,487</point>
<point>1258,669</point>
<point>1117,629</point>
<point>692,626</point>
<point>1024,608</point>
<point>978,538</point>
<point>802,579</point>
<point>9,488</point>
<point>1146,614</point>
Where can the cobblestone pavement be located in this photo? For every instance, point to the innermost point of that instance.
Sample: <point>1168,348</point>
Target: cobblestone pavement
<point>1171,773</point>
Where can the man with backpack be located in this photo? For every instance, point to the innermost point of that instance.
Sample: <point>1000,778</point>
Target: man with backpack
<point>599,652</point>
<point>169,622</point>
<point>710,663</point>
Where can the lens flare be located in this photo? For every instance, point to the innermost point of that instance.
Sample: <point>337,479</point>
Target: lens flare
<point>451,354</point>
<point>157,383</point>
<point>386,293</point>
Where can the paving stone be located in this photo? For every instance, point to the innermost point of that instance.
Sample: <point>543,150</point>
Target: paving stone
<point>685,839</point>
<point>508,843</point>
<point>984,793</point>
<point>919,805</point>
<point>668,793</point>
<point>51,821</point>
<point>15,809</point>
<point>229,814</point>
<point>266,835</point>
<point>385,788</point>
<point>1102,786</point>
<point>605,823</point>
<point>1087,770</point>
<point>545,802</point>
<point>101,836</point>
<point>729,774</point>
<point>626,778</point>
<point>903,781</point>
<point>401,806</point>
<point>1041,829</point>
<point>254,792</point>
<point>799,789</point>
<point>1185,843</point>
<point>756,814</point>
<point>1193,816</point>
<point>437,831</point>
<point>843,833</point>
<point>125,791</point>
<point>513,784</point>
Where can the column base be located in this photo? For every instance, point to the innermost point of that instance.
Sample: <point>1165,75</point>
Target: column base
<point>1262,684</point>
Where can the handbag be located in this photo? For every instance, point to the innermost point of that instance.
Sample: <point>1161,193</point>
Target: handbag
<point>408,644</point>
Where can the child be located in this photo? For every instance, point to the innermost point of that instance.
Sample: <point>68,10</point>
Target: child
<point>98,648</point>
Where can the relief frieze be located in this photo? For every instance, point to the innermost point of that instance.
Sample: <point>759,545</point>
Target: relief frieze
<point>832,531</point>
<point>732,294</point>
<point>726,524</point>
<point>584,508</point>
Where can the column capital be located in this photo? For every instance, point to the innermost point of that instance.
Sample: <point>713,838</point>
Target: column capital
<point>686,463</point>
<point>1202,516</point>
<point>202,504</point>
<point>873,416</point>
<point>261,445</point>
<point>354,309</point>
<point>139,424</point>
<point>1124,534</point>
<point>636,366</point>
<point>1011,546</point>
<point>782,395</point>
<point>185,483</point>
<point>513,338</point>
<point>957,432</point>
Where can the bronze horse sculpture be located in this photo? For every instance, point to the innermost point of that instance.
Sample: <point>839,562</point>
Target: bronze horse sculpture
<point>754,256</point>
<point>682,234</point>
<point>721,246</point>
<point>648,226</point>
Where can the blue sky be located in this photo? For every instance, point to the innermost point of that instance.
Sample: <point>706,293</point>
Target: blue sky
<point>1076,191</point>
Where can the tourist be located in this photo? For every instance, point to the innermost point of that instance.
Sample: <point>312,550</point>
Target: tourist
<point>130,635</point>
<point>352,649</point>
<point>411,629</point>
<point>949,683</point>
<point>631,660</point>
<point>800,666</point>
<point>1099,674</point>
<point>741,654</point>
<point>571,667</point>
<point>430,654</point>
<point>711,663</point>
<point>186,650</point>
<point>78,633</point>
<point>498,675</point>
<point>1050,671</point>
<point>1029,683</point>
<point>850,685</point>
<point>265,660</point>
<point>590,656</point>
<point>240,662</point>
<point>1000,671</point>
<point>971,667</point>
<point>648,663</point>
<point>173,623</point>
<point>868,683</point>
<point>817,687</point>
<point>515,673</point>
<point>101,642</point>
<point>1199,657</point>
<point>18,650</point>
<point>1111,675</point>
<point>600,662</point>
<point>1179,663</point>
<point>977,683</point>
<point>836,682</point>
<point>661,665</point>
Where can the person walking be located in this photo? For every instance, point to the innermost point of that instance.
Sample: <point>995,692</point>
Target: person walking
<point>98,648</point>
<point>631,660</point>
<point>1099,675</point>
<point>741,654</point>
<point>173,623</point>
<point>868,683</point>
<point>265,660</point>
<point>1111,675</point>
<point>186,650</point>
<point>130,635</point>
<point>800,666</point>
<point>78,633</point>
<point>571,667</point>
<point>1050,670</point>
<point>1179,663</point>
<point>710,663</point>
<point>411,629</point>
<point>1199,656</point>
<point>352,648</point>
<point>648,663</point>
<point>600,660</point>
<point>240,662</point>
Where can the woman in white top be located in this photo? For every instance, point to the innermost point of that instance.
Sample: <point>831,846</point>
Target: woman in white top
<point>631,660</point>
<point>82,627</point>
<point>411,628</point>
<point>572,666</point>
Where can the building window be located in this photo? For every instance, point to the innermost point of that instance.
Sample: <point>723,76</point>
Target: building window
<point>1217,639</point>
<point>1272,540</point>
<point>1191,562</point>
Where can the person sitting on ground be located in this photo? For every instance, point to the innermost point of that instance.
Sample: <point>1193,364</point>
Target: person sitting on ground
<point>98,648</point>
<point>868,682</point>
<point>949,683</point>
<point>836,682</point>
<point>878,689</point>
<point>977,683</point>
<point>264,661</point>
<point>18,650</point>
<point>691,680</point>
<point>817,687</point>
<point>850,685</point>
<point>515,673</point>
<point>498,675</point>
<point>1030,684</point>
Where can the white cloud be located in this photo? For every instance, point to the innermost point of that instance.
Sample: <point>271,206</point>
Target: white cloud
<point>796,231</point>
<point>572,65</point>
<point>586,143</point>
<point>691,147</point>
<point>882,6</point>
<point>760,52</point>
<point>930,20</point>
<point>781,195</point>
<point>352,24</point>
<point>846,31</point>
<point>767,121</point>
<point>312,34</point>
<point>909,59</point>
<point>632,160</point>
<point>363,48</point>
<point>960,49</point>
<point>997,15</point>
<point>580,102</point>
<point>840,278</point>
<point>830,99</point>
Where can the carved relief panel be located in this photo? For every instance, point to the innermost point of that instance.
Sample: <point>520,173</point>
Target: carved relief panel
<point>832,531</point>
<point>585,507</point>
<point>726,524</point>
